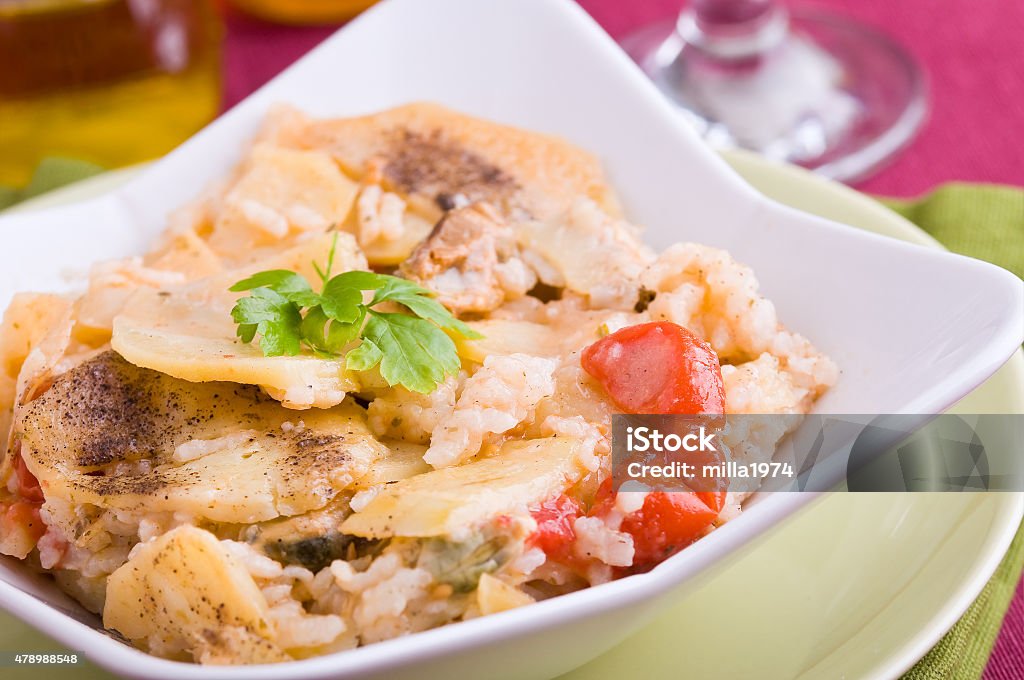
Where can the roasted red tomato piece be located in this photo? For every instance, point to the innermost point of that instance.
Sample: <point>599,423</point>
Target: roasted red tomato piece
<point>667,523</point>
<point>657,367</point>
<point>21,527</point>
<point>713,499</point>
<point>555,533</point>
<point>28,485</point>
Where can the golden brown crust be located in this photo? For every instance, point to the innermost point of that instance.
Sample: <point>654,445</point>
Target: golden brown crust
<point>425,151</point>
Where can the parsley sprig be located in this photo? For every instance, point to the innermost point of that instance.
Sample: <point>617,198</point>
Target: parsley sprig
<point>411,350</point>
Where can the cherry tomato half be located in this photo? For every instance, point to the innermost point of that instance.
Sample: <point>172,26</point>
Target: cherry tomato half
<point>657,367</point>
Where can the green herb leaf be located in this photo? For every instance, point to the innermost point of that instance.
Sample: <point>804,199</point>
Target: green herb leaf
<point>432,310</point>
<point>364,357</point>
<point>342,297</point>
<point>361,280</point>
<point>325,273</point>
<point>246,331</point>
<point>276,318</point>
<point>289,284</point>
<point>412,350</point>
<point>314,329</point>
<point>326,335</point>
<point>416,353</point>
<point>420,303</point>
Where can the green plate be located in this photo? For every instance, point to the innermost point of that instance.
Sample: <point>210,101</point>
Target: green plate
<point>857,586</point>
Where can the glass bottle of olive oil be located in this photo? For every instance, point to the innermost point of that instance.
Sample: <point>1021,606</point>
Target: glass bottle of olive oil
<point>112,82</point>
<point>303,11</point>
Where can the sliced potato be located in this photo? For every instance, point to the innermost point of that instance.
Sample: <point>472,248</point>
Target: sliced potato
<point>281,191</point>
<point>587,251</point>
<point>507,336</point>
<point>171,335</point>
<point>116,436</point>
<point>403,460</point>
<point>502,336</point>
<point>47,351</point>
<point>111,285</point>
<point>185,589</point>
<point>494,595</point>
<point>447,501</point>
<point>299,257</point>
<point>389,253</point>
<point>188,253</point>
<point>424,151</point>
<point>187,332</point>
<point>28,319</point>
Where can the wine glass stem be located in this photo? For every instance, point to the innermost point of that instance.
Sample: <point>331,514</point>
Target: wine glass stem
<point>732,30</point>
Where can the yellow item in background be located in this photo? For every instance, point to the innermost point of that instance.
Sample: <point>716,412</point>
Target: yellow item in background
<point>112,82</point>
<point>303,11</point>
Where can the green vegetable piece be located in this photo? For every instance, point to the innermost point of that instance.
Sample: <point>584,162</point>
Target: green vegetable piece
<point>460,564</point>
<point>316,552</point>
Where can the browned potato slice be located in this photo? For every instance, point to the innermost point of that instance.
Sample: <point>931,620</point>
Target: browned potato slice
<point>431,154</point>
<point>113,435</point>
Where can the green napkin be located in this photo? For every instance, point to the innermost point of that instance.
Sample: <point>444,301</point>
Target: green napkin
<point>986,222</point>
<point>983,221</point>
<point>963,653</point>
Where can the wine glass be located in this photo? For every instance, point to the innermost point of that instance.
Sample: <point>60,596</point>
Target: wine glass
<point>797,85</point>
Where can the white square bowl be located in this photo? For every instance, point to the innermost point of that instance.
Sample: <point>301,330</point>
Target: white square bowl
<point>912,329</point>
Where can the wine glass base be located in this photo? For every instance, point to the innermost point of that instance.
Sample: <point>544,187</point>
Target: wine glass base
<point>834,96</point>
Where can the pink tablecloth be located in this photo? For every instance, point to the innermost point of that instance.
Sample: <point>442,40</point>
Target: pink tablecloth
<point>973,52</point>
<point>974,56</point>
